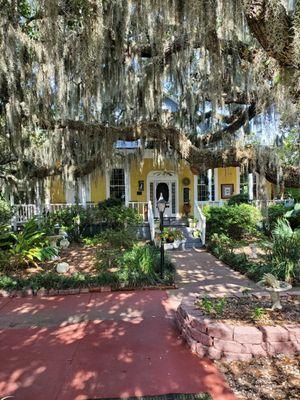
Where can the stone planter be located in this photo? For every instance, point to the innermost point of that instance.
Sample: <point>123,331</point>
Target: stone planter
<point>216,339</point>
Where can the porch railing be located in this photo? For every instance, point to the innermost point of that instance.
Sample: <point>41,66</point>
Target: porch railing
<point>141,207</point>
<point>212,203</point>
<point>201,222</point>
<point>24,212</point>
<point>257,203</point>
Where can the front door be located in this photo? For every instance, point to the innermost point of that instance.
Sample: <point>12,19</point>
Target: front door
<point>166,188</point>
<point>162,188</point>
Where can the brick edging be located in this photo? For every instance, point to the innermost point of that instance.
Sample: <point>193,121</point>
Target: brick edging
<point>216,339</point>
<point>29,292</point>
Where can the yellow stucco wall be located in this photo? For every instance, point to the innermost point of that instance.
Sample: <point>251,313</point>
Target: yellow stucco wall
<point>227,176</point>
<point>57,190</point>
<point>140,173</point>
<point>98,186</point>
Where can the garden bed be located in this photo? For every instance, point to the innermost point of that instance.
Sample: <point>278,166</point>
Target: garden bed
<point>250,311</point>
<point>264,378</point>
<point>223,339</point>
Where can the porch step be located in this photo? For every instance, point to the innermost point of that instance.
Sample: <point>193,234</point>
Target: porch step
<point>174,222</point>
<point>191,241</point>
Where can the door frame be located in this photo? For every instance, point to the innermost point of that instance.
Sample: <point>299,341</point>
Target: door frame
<point>168,177</point>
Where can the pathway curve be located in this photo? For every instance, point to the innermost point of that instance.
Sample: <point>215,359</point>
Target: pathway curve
<point>199,272</point>
<point>97,345</point>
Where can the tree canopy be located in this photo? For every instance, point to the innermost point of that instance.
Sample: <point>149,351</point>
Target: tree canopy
<point>77,75</point>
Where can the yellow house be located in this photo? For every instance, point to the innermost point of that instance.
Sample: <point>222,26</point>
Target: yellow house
<point>137,183</point>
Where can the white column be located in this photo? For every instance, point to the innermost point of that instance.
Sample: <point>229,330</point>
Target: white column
<point>38,197</point>
<point>209,176</point>
<point>107,183</point>
<point>250,186</point>
<point>195,192</point>
<point>47,193</point>
<point>83,192</point>
<point>11,199</point>
<point>127,183</point>
<point>216,184</point>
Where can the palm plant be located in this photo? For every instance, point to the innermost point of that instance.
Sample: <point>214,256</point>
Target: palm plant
<point>28,246</point>
<point>285,251</point>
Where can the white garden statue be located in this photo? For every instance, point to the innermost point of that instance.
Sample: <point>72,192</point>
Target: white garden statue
<point>271,284</point>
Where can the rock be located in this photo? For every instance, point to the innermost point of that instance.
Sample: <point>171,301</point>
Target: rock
<point>55,258</point>
<point>62,267</point>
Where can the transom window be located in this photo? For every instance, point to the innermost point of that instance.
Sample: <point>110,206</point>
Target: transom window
<point>117,184</point>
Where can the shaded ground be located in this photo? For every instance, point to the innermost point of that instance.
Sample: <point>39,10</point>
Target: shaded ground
<point>80,258</point>
<point>124,344</point>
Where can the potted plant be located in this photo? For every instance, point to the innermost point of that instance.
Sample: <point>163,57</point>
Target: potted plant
<point>192,222</point>
<point>178,238</point>
<point>168,235</point>
<point>197,233</point>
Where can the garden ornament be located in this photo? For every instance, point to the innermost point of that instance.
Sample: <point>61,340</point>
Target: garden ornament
<point>62,267</point>
<point>271,284</point>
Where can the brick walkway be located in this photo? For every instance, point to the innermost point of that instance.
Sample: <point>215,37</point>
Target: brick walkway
<point>98,345</point>
<point>200,272</point>
<point>110,344</point>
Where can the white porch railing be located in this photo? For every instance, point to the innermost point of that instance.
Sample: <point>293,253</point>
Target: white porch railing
<point>141,207</point>
<point>201,224</point>
<point>257,203</point>
<point>24,212</point>
<point>212,203</point>
<point>151,220</point>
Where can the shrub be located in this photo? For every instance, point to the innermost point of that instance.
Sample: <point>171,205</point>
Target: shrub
<point>103,205</point>
<point>241,198</point>
<point>275,211</point>
<point>141,266</point>
<point>234,221</point>
<point>73,220</point>
<point>120,217</point>
<point>285,255</point>
<point>293,193</point>
<point>6,212</point>
<point>76,220</point>
<point>293,216</point>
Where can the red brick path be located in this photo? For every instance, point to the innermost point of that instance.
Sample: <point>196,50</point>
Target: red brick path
<point>123,344</point>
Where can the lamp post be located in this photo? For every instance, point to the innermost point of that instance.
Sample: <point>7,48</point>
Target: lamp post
<point>161,205</point>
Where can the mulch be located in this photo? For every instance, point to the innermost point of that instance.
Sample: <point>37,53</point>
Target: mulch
<point>241,311</point>
<point>276,378</point>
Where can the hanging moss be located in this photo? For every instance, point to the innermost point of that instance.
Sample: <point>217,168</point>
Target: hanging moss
<point>109,62</point>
